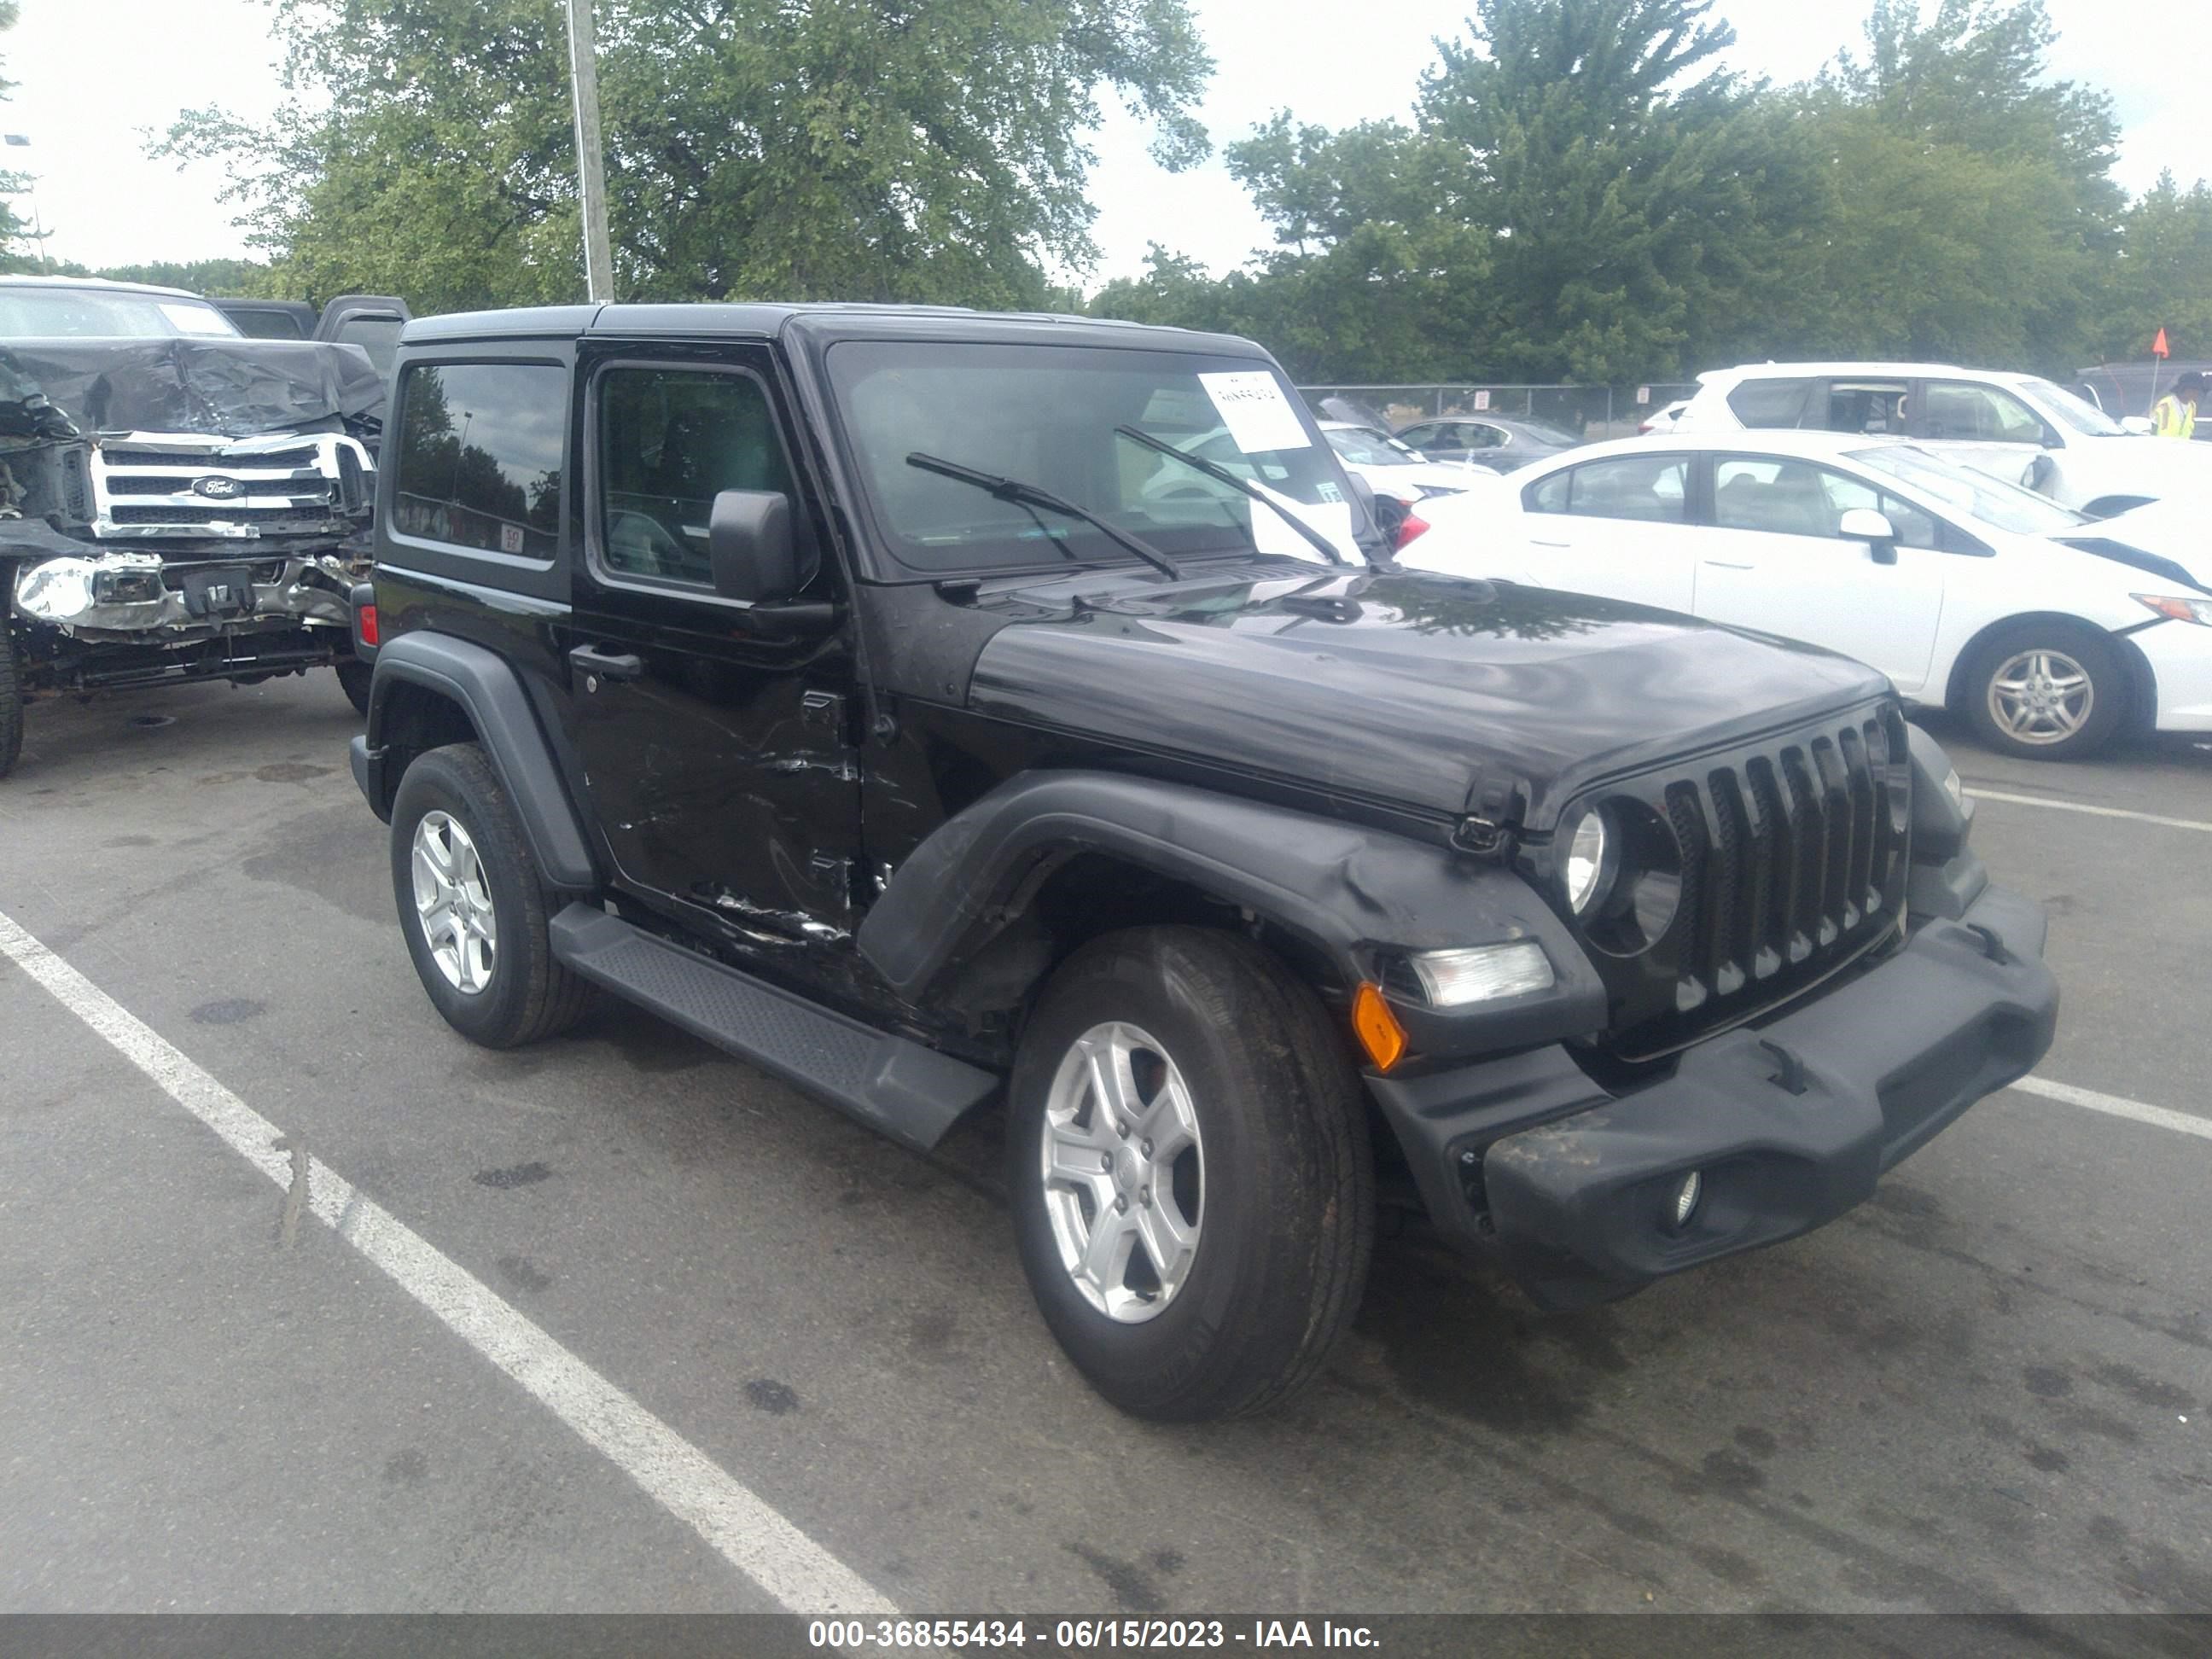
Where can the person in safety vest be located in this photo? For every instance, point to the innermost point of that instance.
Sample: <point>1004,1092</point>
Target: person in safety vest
<point>2174,416</point>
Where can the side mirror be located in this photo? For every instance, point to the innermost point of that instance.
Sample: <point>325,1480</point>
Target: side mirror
<point>2051,439</point>
<point>2137,425</point>
<point>750,547</point>
<point>1385,513</point>
<point>1863,524</point>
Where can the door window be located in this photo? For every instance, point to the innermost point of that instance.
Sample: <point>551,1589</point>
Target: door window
<point>1868,406</point>
<point>1650,488</point>
<point>1980,414</point>
<point>1549,494</point>
<point>1795,498</point>
<point>1771,402</point>
<point>671,440</point>
<point>479,456</point>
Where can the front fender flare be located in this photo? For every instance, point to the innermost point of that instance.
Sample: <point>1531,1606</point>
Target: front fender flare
<point>1352,893</point>
<point>489,690</point>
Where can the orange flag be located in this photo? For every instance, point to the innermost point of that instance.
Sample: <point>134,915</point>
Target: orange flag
<point>2158,346</point>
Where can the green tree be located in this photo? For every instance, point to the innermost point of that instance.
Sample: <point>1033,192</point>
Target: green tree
<point>843,149</point>
<point>1634,191</point>
<point>1582,194</point>
<point>19,249</point>
<point>1930,251</point>
<point>1973,213</point>
<point>2163,277</point>
<point>223,278</point>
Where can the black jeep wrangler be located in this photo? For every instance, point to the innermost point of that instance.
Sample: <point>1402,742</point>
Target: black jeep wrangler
<point>940,709</point>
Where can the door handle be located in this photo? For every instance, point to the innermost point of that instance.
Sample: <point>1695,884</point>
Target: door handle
<point>607,665</point>
<point>1723,564</point>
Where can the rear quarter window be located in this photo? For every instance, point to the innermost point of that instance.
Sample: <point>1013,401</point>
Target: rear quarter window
<point>1771,402</point>
<point>478,462</point>
<point>1548,494</point>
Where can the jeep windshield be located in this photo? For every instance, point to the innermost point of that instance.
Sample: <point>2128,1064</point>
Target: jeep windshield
<point>53,313</point>
<point>1045,415</point>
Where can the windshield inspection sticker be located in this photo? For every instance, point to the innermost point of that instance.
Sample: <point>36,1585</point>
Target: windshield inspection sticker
<point>1253,407</point>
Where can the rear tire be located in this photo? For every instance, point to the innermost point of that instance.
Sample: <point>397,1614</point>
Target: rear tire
<point>354,675</point>
<point>473,906</point>
<point>2046,691</point>
<point>11,689</point>
<point>1214,1048</point>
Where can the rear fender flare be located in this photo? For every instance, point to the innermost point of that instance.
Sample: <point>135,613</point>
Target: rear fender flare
<point>486,688</point>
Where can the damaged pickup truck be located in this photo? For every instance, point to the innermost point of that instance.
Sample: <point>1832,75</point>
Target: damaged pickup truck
<point>177,502</point>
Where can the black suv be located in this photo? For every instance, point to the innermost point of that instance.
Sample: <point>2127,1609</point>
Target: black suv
<point>891,697</point>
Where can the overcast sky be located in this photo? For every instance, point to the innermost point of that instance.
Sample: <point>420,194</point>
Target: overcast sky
<point>94,76</point>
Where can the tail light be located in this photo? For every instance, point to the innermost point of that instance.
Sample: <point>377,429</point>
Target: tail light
<point>364,623</point>
<point>1411,525</point>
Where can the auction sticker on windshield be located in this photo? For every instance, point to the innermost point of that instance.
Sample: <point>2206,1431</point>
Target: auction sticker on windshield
<point>1253,407</point>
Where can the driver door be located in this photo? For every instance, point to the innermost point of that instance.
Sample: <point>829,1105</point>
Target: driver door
<point>718,748</point>
<point>1775,560</point>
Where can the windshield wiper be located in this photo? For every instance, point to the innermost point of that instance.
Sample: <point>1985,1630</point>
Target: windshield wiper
<point>1223,475</point>
<point>1028,495</point>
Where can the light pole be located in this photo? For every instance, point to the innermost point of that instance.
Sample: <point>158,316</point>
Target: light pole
<point>591,161</point>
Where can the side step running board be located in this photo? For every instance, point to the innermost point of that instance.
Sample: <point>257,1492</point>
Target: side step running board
<point>895,1086</point>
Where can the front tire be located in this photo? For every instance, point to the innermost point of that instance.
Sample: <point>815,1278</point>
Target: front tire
<point>1191,1178</point>
<point>2046,691</point>
<point>473,906</point>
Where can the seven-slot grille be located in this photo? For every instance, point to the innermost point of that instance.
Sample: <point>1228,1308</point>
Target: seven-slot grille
<point>1794,856</point>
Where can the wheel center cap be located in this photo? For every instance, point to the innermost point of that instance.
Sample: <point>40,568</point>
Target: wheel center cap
<point>1127,1168</point>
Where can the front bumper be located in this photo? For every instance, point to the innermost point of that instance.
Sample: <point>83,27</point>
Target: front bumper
<point>115,597</point>
<point>1789,1121</point>
<point>2180,658</point>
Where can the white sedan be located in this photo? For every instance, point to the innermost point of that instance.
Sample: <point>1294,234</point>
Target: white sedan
<point>2044,629</point>
<point>1394,468</point>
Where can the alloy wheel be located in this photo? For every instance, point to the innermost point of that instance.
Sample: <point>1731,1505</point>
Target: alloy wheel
<point>2041,696</point>
<point>1123,1167</point>
<point>452,901</point>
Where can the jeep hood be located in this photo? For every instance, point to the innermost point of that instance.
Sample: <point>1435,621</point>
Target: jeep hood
<point>216,388</point>
<point>1424,691</point>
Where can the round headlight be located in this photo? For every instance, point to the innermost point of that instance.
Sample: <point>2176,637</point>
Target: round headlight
<point>1590,861</point>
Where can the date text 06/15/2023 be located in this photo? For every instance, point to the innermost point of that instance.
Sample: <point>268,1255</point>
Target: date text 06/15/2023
<point>1086,1635</point>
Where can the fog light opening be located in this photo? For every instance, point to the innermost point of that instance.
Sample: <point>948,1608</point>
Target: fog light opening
<point>1687,1191</point>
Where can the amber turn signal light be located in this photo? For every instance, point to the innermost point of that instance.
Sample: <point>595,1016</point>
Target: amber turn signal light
<point>1379,1030</point>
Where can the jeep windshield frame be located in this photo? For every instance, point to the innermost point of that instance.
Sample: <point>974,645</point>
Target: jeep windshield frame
<point>1046,412</point>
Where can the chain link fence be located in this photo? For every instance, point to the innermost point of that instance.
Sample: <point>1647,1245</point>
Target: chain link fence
<point>1590,412</point>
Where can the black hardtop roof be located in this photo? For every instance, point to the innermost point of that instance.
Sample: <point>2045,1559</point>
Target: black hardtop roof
<point>821,322</point>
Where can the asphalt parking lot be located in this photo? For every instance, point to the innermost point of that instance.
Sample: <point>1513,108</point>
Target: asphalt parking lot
<point>1989,1389</point>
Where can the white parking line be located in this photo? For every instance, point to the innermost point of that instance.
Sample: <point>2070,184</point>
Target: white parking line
<point>750,1533</point>
<point>2083,806</point>
<point>2159,1116</point>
